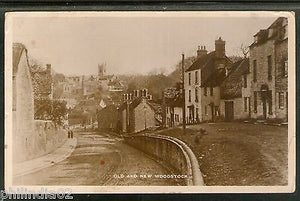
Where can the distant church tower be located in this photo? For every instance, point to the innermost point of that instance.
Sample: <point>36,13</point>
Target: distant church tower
<point>101,70</point>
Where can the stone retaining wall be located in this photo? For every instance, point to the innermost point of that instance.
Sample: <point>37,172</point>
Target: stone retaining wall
<point>170,151</point>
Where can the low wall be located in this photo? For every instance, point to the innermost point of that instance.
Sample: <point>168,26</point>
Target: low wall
<point>44,139</point>
<point>172,152</point>
<point>48,137</point>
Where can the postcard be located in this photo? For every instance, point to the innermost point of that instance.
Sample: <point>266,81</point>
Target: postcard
<point>150,102</point>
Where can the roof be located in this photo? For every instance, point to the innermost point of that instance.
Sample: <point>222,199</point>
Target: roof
<point>201,61</point>
<point>18,49</point>
<point>277,33</point>
<point>107,109</point>
<point>135,102</point>
<point>210,75</point>
<point>115,83</point>
<point>232,85</point>
<point>155,106</point>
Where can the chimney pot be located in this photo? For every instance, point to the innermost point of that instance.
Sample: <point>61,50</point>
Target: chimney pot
<point>201,51</point>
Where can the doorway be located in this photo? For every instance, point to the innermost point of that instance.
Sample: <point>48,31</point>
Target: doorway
<point>229,114</point>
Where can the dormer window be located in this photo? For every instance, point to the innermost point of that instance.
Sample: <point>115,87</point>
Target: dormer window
<point>270,33</point>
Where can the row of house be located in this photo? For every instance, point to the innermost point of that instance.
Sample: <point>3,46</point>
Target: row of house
<point>216,88</point>
<point>254,87</point>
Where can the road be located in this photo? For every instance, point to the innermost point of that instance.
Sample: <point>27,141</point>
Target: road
<point>100,159</point>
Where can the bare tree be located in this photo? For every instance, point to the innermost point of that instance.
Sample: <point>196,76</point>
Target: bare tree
<point>244,49</point>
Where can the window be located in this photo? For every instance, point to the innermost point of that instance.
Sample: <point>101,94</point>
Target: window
<point>255,102</point>
<point>205,110</point>
<point>190,96</point>
<point>245,81</point>
<point>285,68</point>
<point>281,100</point>
<point>189,78</point>
<point>254,71</point>
<point>197,115</point>
<point>196,77</point>
<point>211,91</point>
<point>196,95</point>
<point>269,68</point>
<point>176,118</point>
<point>217,110</point>
<point>205,91</point>
<point>245,104</point>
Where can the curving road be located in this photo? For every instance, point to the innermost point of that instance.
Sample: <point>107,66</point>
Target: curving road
<point>100,159</point>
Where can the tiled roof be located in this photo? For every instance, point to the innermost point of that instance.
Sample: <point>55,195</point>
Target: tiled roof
<point>201,61</point>
<point>233,83</point>
<point>276,34</point>
<point>210,75</point>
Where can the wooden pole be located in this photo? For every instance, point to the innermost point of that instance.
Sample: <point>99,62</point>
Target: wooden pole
<point>183,94</point>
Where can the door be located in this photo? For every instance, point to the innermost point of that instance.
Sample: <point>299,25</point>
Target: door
<point>229,116</point>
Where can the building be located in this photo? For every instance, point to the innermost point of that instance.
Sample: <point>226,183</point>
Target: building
<point>269,72</point>
<point>235,92</point>
<point>173,103</point>
<point>108,118</point>
<point>22,105</point>
<point>138,112</point>
<point>202,83</point>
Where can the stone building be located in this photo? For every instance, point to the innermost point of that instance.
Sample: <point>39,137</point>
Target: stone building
<point>269,71</point>
<point>22,105</point>
<point>202,83</point>
<point>235,92</point>
<point>138,112</point>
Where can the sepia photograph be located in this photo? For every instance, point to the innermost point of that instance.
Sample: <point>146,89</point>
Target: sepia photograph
<point>130,102</point>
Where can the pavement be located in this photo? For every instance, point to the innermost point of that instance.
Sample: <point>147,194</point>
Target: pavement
<point>45,161</point>
<point>100,159</point>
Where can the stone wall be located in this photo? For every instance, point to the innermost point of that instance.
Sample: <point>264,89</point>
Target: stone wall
<point>260,53</point>
<point>171,152</point>
<point>48,137</point>
<point>30,138</point>
<point>23,107</point>
<point>281,82</point>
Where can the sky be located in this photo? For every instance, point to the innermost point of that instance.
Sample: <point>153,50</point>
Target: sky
<point>75,45</point>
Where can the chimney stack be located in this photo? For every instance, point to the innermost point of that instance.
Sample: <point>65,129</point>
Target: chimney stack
<point>201,51</point>
<point>220,48</point>
<point>48,67</point>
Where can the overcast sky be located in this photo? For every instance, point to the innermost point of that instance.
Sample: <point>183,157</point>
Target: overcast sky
<point>132,44</point>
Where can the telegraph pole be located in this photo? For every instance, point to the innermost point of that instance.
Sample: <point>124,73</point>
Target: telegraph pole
<point>183,94</point>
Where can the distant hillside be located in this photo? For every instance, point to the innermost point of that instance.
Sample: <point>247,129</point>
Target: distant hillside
<point>176,74</point>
